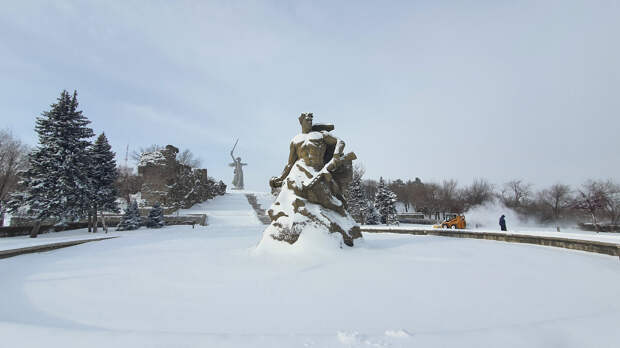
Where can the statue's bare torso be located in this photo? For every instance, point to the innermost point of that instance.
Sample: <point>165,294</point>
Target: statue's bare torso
<point>310,148</point>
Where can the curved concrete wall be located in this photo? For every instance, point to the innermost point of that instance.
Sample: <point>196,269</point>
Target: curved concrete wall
<point>567,243</point>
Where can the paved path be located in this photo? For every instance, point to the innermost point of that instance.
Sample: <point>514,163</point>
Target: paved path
<point>232,209</point>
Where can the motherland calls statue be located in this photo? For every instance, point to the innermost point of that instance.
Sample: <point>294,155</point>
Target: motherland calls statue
<point>238,165</point>
<point>311,198</point>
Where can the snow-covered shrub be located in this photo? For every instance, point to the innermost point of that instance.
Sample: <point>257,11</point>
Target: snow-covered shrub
<point>372,215</point>
<point>131,219</point>
<point>156,217</point>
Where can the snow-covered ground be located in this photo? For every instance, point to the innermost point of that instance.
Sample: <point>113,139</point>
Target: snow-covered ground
<point>219,213</point>
<point>208,287</point>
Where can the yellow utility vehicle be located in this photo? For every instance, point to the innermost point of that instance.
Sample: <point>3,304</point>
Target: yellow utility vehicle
<point>453,221</point>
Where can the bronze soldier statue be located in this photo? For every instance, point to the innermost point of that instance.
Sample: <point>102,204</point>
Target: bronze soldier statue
<point>312,186</point>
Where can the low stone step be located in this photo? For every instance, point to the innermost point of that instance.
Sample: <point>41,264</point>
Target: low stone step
<point>260,212</point>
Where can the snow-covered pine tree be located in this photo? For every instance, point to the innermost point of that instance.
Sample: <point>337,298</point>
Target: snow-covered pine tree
<point>392,216</point>
<point>372,215</point>
<point>357,204</point>
<point>131,219</point>
<point>221,188</point>
<point>56,185</point>
<point>156,217</point>
<point>385,202</point>
<point>103,175</point>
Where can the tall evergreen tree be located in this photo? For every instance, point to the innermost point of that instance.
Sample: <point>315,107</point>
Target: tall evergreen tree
<point>385,202</point>
<point>357,204</point>
<point>103,175</point>
<point>57,182</point>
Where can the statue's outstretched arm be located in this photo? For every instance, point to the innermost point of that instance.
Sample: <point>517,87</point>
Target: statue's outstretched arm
<point>292,158</point>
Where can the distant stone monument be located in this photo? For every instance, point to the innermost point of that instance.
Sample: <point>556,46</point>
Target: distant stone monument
<point>159,170</point>
<point>311,197</point>
<point>169,182</point>
<point>238,171</point>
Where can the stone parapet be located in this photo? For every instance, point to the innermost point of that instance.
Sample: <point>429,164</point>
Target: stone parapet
<point>606,248</point>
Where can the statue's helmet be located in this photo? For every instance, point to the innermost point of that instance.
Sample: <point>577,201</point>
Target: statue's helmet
<point>305,115</point>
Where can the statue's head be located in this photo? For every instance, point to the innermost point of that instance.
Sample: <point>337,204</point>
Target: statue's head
<point>238,159</point>
<point>306,122</point>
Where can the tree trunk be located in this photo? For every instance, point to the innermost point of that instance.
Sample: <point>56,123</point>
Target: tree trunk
<point>35,229</point>
<point>128,198</point>
<point>596,226</point>
<point>90,221</point>
<point>105,227</point>
<point>95,220</point>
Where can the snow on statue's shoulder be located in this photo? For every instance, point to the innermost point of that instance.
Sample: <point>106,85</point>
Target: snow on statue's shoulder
<point>305,138</point>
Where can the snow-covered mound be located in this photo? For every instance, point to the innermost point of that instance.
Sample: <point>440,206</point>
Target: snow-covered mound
<point>208,287</point>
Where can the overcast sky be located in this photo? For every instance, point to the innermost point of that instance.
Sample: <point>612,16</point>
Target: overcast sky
<point>433,89</point>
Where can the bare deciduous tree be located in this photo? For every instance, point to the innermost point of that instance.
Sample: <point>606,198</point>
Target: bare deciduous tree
<point>590,198</point>
<point>13,159</point>
<point>399,188</point>
<point>432,198</point>
<point>370,189</point>
<point>557,199</point>
<point>187,158</point>
<point>611,206</point>
<point>449,196</point>
<point>127,182</point>
<point>516,193</point>
<point>416,193</point>
<point>479,192</point>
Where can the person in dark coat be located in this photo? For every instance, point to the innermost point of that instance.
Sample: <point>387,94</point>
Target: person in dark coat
<point>502,223</point>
